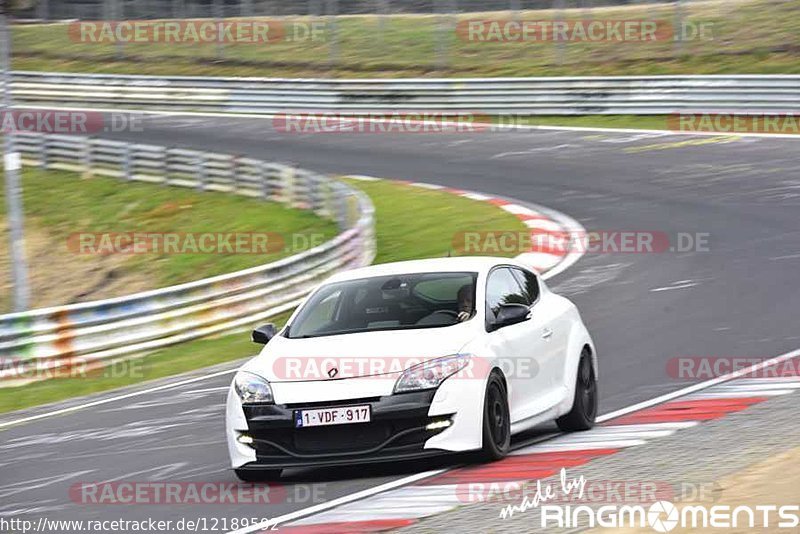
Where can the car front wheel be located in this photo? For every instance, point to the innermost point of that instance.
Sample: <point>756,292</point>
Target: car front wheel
<point>496,421</point>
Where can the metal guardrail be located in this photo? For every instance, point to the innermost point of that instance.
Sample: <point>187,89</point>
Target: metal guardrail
<point>567,96</point>
<point>40,343</point>
<point>158,9</point>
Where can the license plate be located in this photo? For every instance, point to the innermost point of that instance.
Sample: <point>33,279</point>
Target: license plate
<point>343,415</point>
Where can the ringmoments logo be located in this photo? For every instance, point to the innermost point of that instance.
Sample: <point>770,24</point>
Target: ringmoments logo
<point>664,516</point>
<point>660,516</point>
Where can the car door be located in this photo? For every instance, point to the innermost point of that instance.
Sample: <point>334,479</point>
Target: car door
<point>548,322</point>
<point>519,347</point>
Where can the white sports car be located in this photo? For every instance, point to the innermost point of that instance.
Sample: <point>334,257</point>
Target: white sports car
<point>396,361</point>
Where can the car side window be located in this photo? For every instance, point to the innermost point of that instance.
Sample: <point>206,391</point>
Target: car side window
<point>529,283</point>
<point>502,288</point>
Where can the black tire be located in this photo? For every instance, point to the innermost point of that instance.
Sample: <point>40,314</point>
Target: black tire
<point>584,405</point>
<point>258,475</point>
<point>496,421</point>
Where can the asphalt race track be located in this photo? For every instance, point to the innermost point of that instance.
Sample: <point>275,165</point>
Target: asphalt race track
<point>739,298</point>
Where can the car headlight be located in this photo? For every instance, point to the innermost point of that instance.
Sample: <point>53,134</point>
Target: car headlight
<point>430,374</point>
<point>251,388</point>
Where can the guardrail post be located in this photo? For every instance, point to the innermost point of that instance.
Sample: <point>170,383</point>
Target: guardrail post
<point>44,155</point>
<point>315,185</point>
<point>301,189</point>
<point>87,157</point>
<point>328,198</point>
<point>311,190</point>
<point>380,12</point>
<point>342,210</point>
<point>332,8</point>
<point>202,172</point>
<point>307,200</point>
<point>164,164</point>
<point>127,163</point>
<point>236,167</point>
<point>678,28</point>
<point>560,44</point>
<point>438,30</point>
<point>263,174</point>
<point>118,13</point>
<point>169,166</point>
<point>219,14</point>
<point>289,184</point>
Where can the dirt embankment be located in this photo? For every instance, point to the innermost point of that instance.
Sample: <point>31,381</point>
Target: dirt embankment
<point>58,276</point>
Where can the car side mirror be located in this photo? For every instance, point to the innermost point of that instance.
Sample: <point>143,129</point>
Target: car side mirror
<point>509,314</point>
<point>264,333</point>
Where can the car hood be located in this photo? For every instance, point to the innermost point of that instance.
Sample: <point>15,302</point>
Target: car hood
<point>353,355</point>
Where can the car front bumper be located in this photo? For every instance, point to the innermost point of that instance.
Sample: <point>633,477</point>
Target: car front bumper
<point>460,400</point>
<point>397,431</point>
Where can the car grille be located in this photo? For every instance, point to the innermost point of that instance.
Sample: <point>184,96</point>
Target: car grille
<point>336,439</point>
<point>332,439</point>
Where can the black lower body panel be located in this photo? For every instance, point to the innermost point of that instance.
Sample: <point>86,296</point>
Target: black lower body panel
<point>397,431</point>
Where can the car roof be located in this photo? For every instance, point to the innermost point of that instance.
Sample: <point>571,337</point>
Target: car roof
<point>434,265</point>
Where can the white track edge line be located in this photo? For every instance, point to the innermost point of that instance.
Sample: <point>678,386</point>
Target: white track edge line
<point>339,501</point>
<point>697,387</point>
<point>98,402</point>
<point>507,127</point>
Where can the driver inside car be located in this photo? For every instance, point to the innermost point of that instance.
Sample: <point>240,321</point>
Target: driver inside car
<point>466,303</point>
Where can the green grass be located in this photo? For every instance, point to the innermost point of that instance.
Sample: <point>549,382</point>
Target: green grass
<point>749,36</point>
<point>646,122</point>
<point>419,223</point>
<point>59,205</point>
<point>411,223</point>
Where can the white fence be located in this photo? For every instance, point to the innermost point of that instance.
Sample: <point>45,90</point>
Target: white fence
<point>567,96</point>
<point>79,337</point>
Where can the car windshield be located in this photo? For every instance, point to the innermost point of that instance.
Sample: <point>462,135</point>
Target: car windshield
<point>405,301</point>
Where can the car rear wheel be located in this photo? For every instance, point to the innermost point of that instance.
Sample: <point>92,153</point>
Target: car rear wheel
<point>496,421</point>
<point>258,475</point>
<point>584,405</point>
